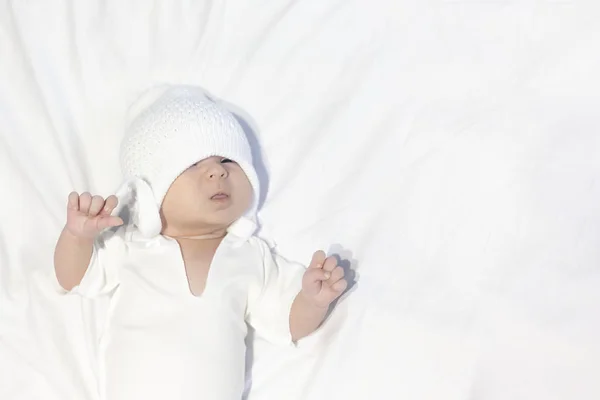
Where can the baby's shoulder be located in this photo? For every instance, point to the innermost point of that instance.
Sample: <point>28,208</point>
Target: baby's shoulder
<point>259,247</point>
<point>125,242</point>
<point>251,254</point>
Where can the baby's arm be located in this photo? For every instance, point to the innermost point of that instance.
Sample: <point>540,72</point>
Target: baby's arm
<point>305,317</point>
<point>323,282</point>
<point>87,216</point>
<point>71,258</point>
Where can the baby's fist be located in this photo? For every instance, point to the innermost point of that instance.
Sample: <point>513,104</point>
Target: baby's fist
<point>88,215</point>
<point>323,281</point>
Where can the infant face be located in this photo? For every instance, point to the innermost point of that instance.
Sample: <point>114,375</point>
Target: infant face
<point>211,194</point>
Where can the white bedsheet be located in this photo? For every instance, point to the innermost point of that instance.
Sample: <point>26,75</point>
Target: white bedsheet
<point>448,149</point>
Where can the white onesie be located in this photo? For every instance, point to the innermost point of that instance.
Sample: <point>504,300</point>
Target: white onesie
<point>162,342</point>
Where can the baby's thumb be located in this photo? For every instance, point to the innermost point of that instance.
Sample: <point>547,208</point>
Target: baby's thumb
<point>109,222</point>
<point>315,275</point>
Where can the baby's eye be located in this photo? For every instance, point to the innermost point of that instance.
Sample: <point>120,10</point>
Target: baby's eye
<point>226,160</point>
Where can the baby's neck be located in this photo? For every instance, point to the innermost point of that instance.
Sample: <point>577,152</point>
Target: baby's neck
<point>206,235</point>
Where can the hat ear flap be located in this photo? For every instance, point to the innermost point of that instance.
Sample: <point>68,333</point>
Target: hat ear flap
<point>137,197</point>
<point>243,228</point>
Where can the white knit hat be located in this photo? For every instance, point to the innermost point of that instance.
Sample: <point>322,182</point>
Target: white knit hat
<point>171,128</point>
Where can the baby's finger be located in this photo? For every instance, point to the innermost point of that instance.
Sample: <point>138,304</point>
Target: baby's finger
<point>109,205</point>
<point>340,286</point>
<point>73,202</point>
<point>109,222</point>
<point>336,275</point>
<point>318,259</point>
<point>316,275</point>
<point>85,201</point>
<point>330,264</point>
<point>96,205</point>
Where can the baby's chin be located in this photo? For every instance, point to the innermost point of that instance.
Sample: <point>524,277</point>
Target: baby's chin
<point>202,219</point>
<point>217,220</point>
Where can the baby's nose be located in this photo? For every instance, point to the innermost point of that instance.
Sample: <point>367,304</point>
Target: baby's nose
<point>217,171</point>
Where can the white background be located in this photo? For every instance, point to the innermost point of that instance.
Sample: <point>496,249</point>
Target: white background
<point>449,150</point>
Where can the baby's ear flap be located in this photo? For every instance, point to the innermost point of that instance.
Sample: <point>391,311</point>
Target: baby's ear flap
<point>136,197</point>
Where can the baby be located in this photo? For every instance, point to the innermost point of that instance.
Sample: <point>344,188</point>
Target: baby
<point>187,274</point>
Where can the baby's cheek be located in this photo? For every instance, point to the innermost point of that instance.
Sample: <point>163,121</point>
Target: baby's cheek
<point>247,194</point>
<point>178,207</point>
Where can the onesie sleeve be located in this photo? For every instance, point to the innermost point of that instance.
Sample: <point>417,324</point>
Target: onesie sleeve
<point>269,313</point>
<point>102,276</point>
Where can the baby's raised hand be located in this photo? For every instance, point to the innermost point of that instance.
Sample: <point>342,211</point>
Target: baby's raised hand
<point>88,215</point>
<point>323,281</point>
